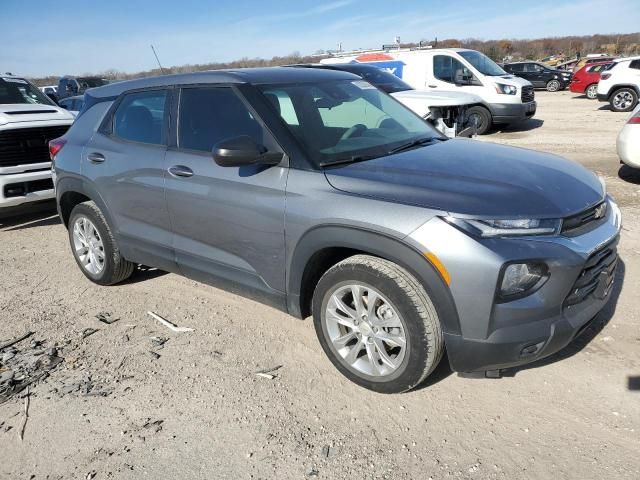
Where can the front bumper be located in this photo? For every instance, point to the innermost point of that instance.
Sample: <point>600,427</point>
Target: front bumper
<point>17,188</point>
<point>512,112</point>
<point>495,335</point>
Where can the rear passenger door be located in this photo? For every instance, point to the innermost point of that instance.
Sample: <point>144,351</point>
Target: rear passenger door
<point>228,222</point>
<point>125,161</point>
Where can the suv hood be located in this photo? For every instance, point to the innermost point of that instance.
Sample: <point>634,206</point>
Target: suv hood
<point>28,112</point>
<point>473,178</point>
<point>437,99</point>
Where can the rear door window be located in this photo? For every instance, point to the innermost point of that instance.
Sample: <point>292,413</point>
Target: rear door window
<point>141,117</point>
<point>635,64</point>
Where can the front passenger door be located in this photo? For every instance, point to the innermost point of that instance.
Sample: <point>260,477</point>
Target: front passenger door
<point>228,222</point>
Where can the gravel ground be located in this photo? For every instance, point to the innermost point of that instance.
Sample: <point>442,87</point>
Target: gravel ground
<point>135,400</point>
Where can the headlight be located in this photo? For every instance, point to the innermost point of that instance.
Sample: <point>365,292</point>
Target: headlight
<point>519,279</point>
<point>506,89</point>
<point>499,228</point>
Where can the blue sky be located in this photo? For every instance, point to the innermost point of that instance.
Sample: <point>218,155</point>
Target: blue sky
<point>42,37</point>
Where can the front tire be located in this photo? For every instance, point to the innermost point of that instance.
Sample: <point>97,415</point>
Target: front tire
<point>624,100</point>
<point>94,247</point>
<point>553,86</point>
<point>592,91</point>
<point>479,117</point>
<point>377,324</point>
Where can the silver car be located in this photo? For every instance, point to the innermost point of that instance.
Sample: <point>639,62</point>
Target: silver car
<point>314,192</point>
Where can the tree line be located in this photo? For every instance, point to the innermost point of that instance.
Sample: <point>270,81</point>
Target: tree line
<point>499,50</point>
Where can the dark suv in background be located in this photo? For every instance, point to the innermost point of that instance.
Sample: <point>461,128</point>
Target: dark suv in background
<point>540,75</point>
<point>319,194</point>
<point>69,86</point>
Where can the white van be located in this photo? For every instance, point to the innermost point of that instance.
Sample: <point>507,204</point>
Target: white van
<point>506,99</point>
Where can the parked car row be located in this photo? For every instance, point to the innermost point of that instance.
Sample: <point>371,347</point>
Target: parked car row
<point>540,75</point>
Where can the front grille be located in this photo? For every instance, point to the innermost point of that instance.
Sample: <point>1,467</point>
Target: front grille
<point>27,145</point>
<point>600,266</point>
<point>528,95</point>
<point>21,189</point>
<point>585,221</point>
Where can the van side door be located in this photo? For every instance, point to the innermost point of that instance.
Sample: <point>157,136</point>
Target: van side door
<point>228,222</point>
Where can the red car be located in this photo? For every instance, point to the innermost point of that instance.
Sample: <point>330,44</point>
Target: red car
<point>586,79</point>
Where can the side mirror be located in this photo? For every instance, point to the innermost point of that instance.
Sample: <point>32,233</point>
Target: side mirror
<point>241,151</point>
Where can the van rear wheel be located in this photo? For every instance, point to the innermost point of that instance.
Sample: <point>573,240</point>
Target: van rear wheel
<point>377,324</point>
<point>479,117</point>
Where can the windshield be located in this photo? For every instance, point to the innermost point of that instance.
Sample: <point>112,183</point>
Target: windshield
<point>346,120</point>
<point>91,82</point>
<point>383,79</point>
<point>482,63</point>
<point>18,90</point>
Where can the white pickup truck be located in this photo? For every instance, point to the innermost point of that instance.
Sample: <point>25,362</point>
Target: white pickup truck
<point>28,120</point>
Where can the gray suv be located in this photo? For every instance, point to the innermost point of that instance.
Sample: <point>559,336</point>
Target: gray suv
<point>314,192</point>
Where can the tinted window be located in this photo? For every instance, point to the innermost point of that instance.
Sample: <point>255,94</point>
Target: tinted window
<point>17,90</point>
<point>209,115</point>
<point>532,68</point>
<point>140,117</point>
<point>445,68</point>
<point>635,64</point>
<point>516,68</point>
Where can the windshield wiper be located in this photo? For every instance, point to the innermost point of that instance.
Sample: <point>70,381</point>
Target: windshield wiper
<point>351,159</point>
<point>414,143</point>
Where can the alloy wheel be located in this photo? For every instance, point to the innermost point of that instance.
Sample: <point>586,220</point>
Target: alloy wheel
<point>623,100</point>
<point>553,86</point>
<point>592,91</point>
<point>88,245</point>
<point>365,330</point>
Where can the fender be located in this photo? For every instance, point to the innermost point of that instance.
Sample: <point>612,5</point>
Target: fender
<point>618,86</point>
<point>79,185</point>
<point>374,243</point>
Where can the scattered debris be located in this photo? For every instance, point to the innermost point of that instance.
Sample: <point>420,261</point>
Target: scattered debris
<point>158,342</point>
<point>168,324</point>
<point>154,355</point>
<point>27,401</point>
<point>91,475</point>
<point>268,372</point>
<point>88,332</point>
<point>155,425</point>
<point>10,343</point>
<point>312,472</point>
<point>106,317</point>
<point>325,451</point>
<point>21,368</point>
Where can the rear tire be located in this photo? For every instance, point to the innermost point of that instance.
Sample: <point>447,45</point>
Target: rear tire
<point>94,247</point>
<point>388,341</point>
<point>592,91</point>
<point>480,117</point>
<point>553,86</point>
<point>624,99</point>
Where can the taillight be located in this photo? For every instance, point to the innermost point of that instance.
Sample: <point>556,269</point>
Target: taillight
<point>605,76</point>
<point>55,146</point>
<point>635,120</point>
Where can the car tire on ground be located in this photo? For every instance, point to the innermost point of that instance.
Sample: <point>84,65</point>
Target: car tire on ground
<point>623,99</point>
<point>592,91</point>
<point>480,117</point>
<point>553,85</point>
<point>94,247</point>
<point>377,324</point>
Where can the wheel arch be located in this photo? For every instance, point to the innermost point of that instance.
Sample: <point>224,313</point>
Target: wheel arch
<point>73,191</point>
<point>322,247</point>
<point>617,87</point>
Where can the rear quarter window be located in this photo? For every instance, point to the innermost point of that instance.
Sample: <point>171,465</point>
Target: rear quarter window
<point>140,117</point>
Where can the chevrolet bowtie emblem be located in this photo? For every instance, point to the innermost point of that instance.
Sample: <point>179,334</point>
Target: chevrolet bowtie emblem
<point>600,211</point>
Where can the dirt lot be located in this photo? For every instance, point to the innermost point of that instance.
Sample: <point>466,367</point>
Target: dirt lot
<point>194,408</point>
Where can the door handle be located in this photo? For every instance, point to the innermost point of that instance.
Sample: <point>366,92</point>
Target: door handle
<point>180,171</point>
<point>95,157</point>
<point>433,86</point>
